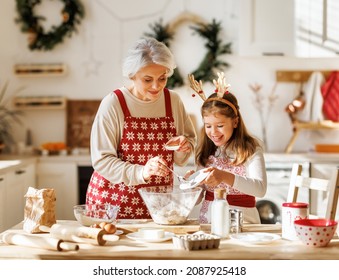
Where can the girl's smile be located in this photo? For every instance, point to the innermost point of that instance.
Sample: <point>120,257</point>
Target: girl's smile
<point>219,128</point>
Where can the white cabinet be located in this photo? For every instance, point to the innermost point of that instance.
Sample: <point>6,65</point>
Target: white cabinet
<point>266,27</point>
<point>62,177</point>
<point>2,202</point>
<point>16,183</point>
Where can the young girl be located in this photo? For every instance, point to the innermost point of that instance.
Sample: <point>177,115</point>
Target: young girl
<point>233,158</point>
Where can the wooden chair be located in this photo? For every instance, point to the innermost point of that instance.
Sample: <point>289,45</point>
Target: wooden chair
<point>330,186</point>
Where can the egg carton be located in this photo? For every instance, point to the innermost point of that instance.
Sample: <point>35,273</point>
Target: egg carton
<point>196,241</point>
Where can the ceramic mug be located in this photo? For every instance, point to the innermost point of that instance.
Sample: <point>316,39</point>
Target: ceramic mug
<point>292,211</point>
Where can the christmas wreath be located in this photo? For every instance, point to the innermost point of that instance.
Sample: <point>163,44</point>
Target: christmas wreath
<point>39,39</point>
<point>211,62</point>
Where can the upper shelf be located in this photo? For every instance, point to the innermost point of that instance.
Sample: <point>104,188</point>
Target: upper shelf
<point>298,76</point>
<point>40,102</point>
<point>40,69</point>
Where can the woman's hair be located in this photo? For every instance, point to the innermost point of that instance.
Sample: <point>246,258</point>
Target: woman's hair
<point>148,51</point>
<point>241,142</point>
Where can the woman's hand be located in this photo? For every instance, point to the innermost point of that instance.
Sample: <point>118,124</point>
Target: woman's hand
<point>184,144</point>
<point>155,167</point>
<point>188,174</point>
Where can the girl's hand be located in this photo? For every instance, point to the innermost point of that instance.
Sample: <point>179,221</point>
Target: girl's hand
<point>215,177</point>
<point>155,167</point>
<point>184,144</point>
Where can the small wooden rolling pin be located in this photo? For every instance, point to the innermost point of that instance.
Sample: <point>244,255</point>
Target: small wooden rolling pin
<point>80,234</point>
<point>36,241</point>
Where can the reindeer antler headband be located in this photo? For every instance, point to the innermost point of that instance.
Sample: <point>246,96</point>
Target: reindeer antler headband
<point>221,88</point>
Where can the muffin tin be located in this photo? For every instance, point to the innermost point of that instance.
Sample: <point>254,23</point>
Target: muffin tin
<point>196,241</point>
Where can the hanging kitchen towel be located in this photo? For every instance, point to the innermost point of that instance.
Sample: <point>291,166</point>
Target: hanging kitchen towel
<point>330,93</point>
<point>313,99</point>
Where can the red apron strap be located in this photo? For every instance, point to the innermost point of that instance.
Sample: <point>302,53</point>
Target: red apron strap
<point>241,200</point>
<point>209,196</point>
<point>168,103</point>
<point>122,103</point>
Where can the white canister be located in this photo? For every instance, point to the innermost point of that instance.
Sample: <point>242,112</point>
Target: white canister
<point>292,211</point>
<point>220,221</point>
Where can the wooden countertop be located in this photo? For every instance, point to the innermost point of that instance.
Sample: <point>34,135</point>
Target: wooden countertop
<point>126,248</point>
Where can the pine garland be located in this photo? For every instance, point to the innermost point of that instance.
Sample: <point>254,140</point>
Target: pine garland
<point>39,39</point>
<point>211,62</point>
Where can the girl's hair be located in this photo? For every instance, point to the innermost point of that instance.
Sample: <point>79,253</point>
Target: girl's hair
<point>148,51</point>
<point>241,142</point>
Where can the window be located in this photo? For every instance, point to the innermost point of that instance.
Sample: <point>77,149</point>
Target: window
<point>317,28</point>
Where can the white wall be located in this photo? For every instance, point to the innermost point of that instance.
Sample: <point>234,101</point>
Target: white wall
<point>94,54</point>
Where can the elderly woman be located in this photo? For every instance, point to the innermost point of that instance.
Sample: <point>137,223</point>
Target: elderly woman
<point>131,129</point>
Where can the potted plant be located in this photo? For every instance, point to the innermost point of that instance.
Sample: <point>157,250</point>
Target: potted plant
<point>8,116</point>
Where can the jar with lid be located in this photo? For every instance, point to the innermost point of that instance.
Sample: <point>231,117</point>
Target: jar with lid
<point>220,224</point>
<point>292,211</point>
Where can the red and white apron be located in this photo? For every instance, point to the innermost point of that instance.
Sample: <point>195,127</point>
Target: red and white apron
<point>142,139</point>
<point>234,197</point>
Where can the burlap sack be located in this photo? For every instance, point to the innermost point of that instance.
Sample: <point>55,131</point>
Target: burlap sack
<point>39,209</point>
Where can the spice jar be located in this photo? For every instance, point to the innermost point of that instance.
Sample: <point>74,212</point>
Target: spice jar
<point>236,220</point>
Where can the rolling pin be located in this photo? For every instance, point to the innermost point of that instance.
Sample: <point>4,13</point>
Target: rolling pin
<point>80,234</point>
<point>36,241</point>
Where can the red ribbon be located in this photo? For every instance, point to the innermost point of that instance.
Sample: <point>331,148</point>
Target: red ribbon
<point>241,200</point>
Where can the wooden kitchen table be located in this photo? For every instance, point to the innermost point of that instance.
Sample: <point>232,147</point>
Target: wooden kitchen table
<point>126,248</point>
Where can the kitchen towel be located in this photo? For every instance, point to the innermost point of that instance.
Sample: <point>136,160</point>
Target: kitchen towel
<point>313,98</point>
<point>330,93</point>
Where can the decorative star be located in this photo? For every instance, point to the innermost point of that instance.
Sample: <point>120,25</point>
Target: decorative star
<point>92,66</point>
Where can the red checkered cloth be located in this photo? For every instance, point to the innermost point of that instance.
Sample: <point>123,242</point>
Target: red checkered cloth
<point>330,93</point>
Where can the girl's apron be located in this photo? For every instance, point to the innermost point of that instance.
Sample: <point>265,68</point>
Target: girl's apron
<point>142,139</point>
<point>234,197</point>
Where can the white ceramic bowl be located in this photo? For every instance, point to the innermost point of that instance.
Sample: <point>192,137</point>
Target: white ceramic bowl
<point>88,215</point>
<point>315,232</point>
<point>168,205</point>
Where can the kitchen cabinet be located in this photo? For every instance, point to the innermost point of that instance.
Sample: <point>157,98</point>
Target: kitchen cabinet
<point>62,177</point>
<point>16,183</point>
<point>266,27</point>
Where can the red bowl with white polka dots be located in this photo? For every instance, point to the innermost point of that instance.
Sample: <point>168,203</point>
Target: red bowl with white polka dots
<point>315,232</point>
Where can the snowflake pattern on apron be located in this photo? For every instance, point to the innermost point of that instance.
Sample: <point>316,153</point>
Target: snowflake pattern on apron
<point>143,138</point>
